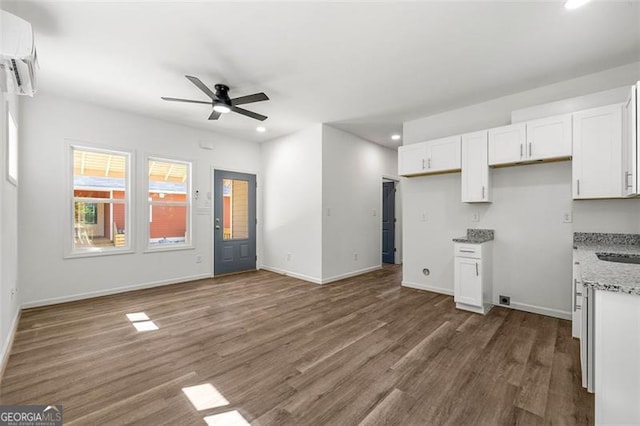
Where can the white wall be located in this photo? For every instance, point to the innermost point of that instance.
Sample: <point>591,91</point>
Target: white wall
<point>497,112</point>
<point>352,171</point>
<point>9,299</point>
<point>47,121</point>
<point>532,258</point>
<point>292,194</point>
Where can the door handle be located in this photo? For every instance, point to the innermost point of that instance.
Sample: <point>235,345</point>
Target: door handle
<point>477,269</point>
<point>218,227</point>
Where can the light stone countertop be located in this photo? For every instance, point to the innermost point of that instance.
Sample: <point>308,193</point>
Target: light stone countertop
<point>604,275</point>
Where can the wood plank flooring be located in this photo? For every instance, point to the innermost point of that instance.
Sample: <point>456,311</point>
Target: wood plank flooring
<point>280,351</point>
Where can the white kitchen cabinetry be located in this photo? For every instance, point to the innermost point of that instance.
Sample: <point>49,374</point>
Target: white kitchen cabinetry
<point>473,277</point>
<point>576,290</point>
<point>506,144</point>
<point>617,358</point>
<point>630,148</point>
<point>436,156</point>
<point>549,138</point>
<point>538,140</point>
<point>412,159</point>
<point>597,153</point>
<point>475,168</point>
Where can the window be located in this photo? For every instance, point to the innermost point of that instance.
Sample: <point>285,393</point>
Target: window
<point>12,148</point>
<point>169,199</point>
<point>100,193</point>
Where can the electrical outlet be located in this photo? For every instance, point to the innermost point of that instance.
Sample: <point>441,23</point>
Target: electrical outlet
<point>504,300</point>
<point>198,258</point>
<point>567,217</point>
<point>355,256</point>
<point>424,216</point>
<point>375,212</point>
<point>475,217</point>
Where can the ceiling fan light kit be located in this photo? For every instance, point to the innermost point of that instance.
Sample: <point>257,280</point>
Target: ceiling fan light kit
<point>221,101</point>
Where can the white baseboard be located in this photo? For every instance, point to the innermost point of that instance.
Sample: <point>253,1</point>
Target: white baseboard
<point>291,274</point>
<point>88,295</point>
<point>427,288</point>
<point>534,309</point>
<point>350,274</point>
<point>6,347</point>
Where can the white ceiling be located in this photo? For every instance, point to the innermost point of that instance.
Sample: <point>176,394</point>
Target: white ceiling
<point>364,67</point>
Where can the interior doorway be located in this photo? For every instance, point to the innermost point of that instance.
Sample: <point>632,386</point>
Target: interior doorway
<point>388,221</point>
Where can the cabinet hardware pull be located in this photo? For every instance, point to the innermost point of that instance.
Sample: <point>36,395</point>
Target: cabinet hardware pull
<point>529,149</point>
<point>520,150</point>
<point>467,251</point>
<point>423,164</point>
<point>626,180</point>
<point>483,192</point>
<point>578,185</point>
<point>477,269</point>
<point>429,163</point>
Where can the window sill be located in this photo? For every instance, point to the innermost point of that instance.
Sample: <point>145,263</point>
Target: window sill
<point>169,247</point>
<point>98,253</point>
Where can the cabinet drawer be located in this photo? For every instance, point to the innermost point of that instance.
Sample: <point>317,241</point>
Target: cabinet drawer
<point>473,251</point>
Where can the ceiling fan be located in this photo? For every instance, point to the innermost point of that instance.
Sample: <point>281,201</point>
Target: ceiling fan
<point>221,101</point>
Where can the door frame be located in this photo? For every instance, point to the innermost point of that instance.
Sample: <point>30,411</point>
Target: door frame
<point>212,218</point>
<point>398,214</point>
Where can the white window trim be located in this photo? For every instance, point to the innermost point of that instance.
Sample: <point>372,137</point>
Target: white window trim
<point>188,244</point>
<point>69,251</point>
<point>9,118</point>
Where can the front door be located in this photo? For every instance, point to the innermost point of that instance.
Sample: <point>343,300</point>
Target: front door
<point>234,224</point>
<point>388,222</point>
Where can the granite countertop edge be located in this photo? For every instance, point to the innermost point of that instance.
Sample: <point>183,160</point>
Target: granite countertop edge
<point>471,240</point>
<point>616,288</point>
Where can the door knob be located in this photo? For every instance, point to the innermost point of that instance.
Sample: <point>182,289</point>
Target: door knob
<point>217,227</point>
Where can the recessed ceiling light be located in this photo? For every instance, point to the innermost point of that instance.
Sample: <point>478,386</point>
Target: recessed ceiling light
<point>574,4</point>
<point>395,137</point>
<point>261,129</point>
<point>221,108</point>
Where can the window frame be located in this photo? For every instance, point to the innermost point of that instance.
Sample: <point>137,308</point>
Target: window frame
<point>188,244</point>
<point>10,119</point>
<point>129,248</point>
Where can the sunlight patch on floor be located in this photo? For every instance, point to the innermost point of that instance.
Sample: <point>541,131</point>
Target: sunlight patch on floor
<point>205,396</point>
<point>230,418</point>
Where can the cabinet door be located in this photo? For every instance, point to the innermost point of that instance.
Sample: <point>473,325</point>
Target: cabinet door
<point>506,144</point>
<point>468,284</point>
<point>412,159</point>
<point>443,154</point>
<point>630,144</point>
<point>475,169</point>
<point>597,153</point>
<point>549,138</point>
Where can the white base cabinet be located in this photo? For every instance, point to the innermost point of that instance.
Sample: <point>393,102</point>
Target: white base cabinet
<point>473,277</point>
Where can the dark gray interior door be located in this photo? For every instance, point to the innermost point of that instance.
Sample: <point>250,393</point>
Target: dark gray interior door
<point>234,227</point>
<point>388,222</point>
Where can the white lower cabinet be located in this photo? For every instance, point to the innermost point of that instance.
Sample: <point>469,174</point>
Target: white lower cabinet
<point>473,276</point>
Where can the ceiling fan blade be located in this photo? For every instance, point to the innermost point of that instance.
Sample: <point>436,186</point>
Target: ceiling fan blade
<point>249,113</point>
<point>185,100</point>
<point>256,97</point>
<point>214,115</point>
<point>201,86</point>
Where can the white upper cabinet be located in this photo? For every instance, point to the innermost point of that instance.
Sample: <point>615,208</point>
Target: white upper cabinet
<point>545,139</point>
<point>630,151</point>
<point>412,159</point>
<point>475,168</point>
<point>443,155</point>
<point>506,144</point>
<point>436,156</point>
<point>549,138</point>
<point>597,153</point>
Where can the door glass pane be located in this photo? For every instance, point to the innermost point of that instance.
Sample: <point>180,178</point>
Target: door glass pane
<point>235,201</point>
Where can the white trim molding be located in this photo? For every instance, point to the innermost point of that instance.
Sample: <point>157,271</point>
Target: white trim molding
<point>6,349</point>
<point>425,287</point>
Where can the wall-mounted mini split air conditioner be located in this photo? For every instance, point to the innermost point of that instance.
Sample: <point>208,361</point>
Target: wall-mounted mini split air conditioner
<point>18,59</point>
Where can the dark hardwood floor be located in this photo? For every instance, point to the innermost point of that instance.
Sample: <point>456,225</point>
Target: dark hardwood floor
<point>282,351</point>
